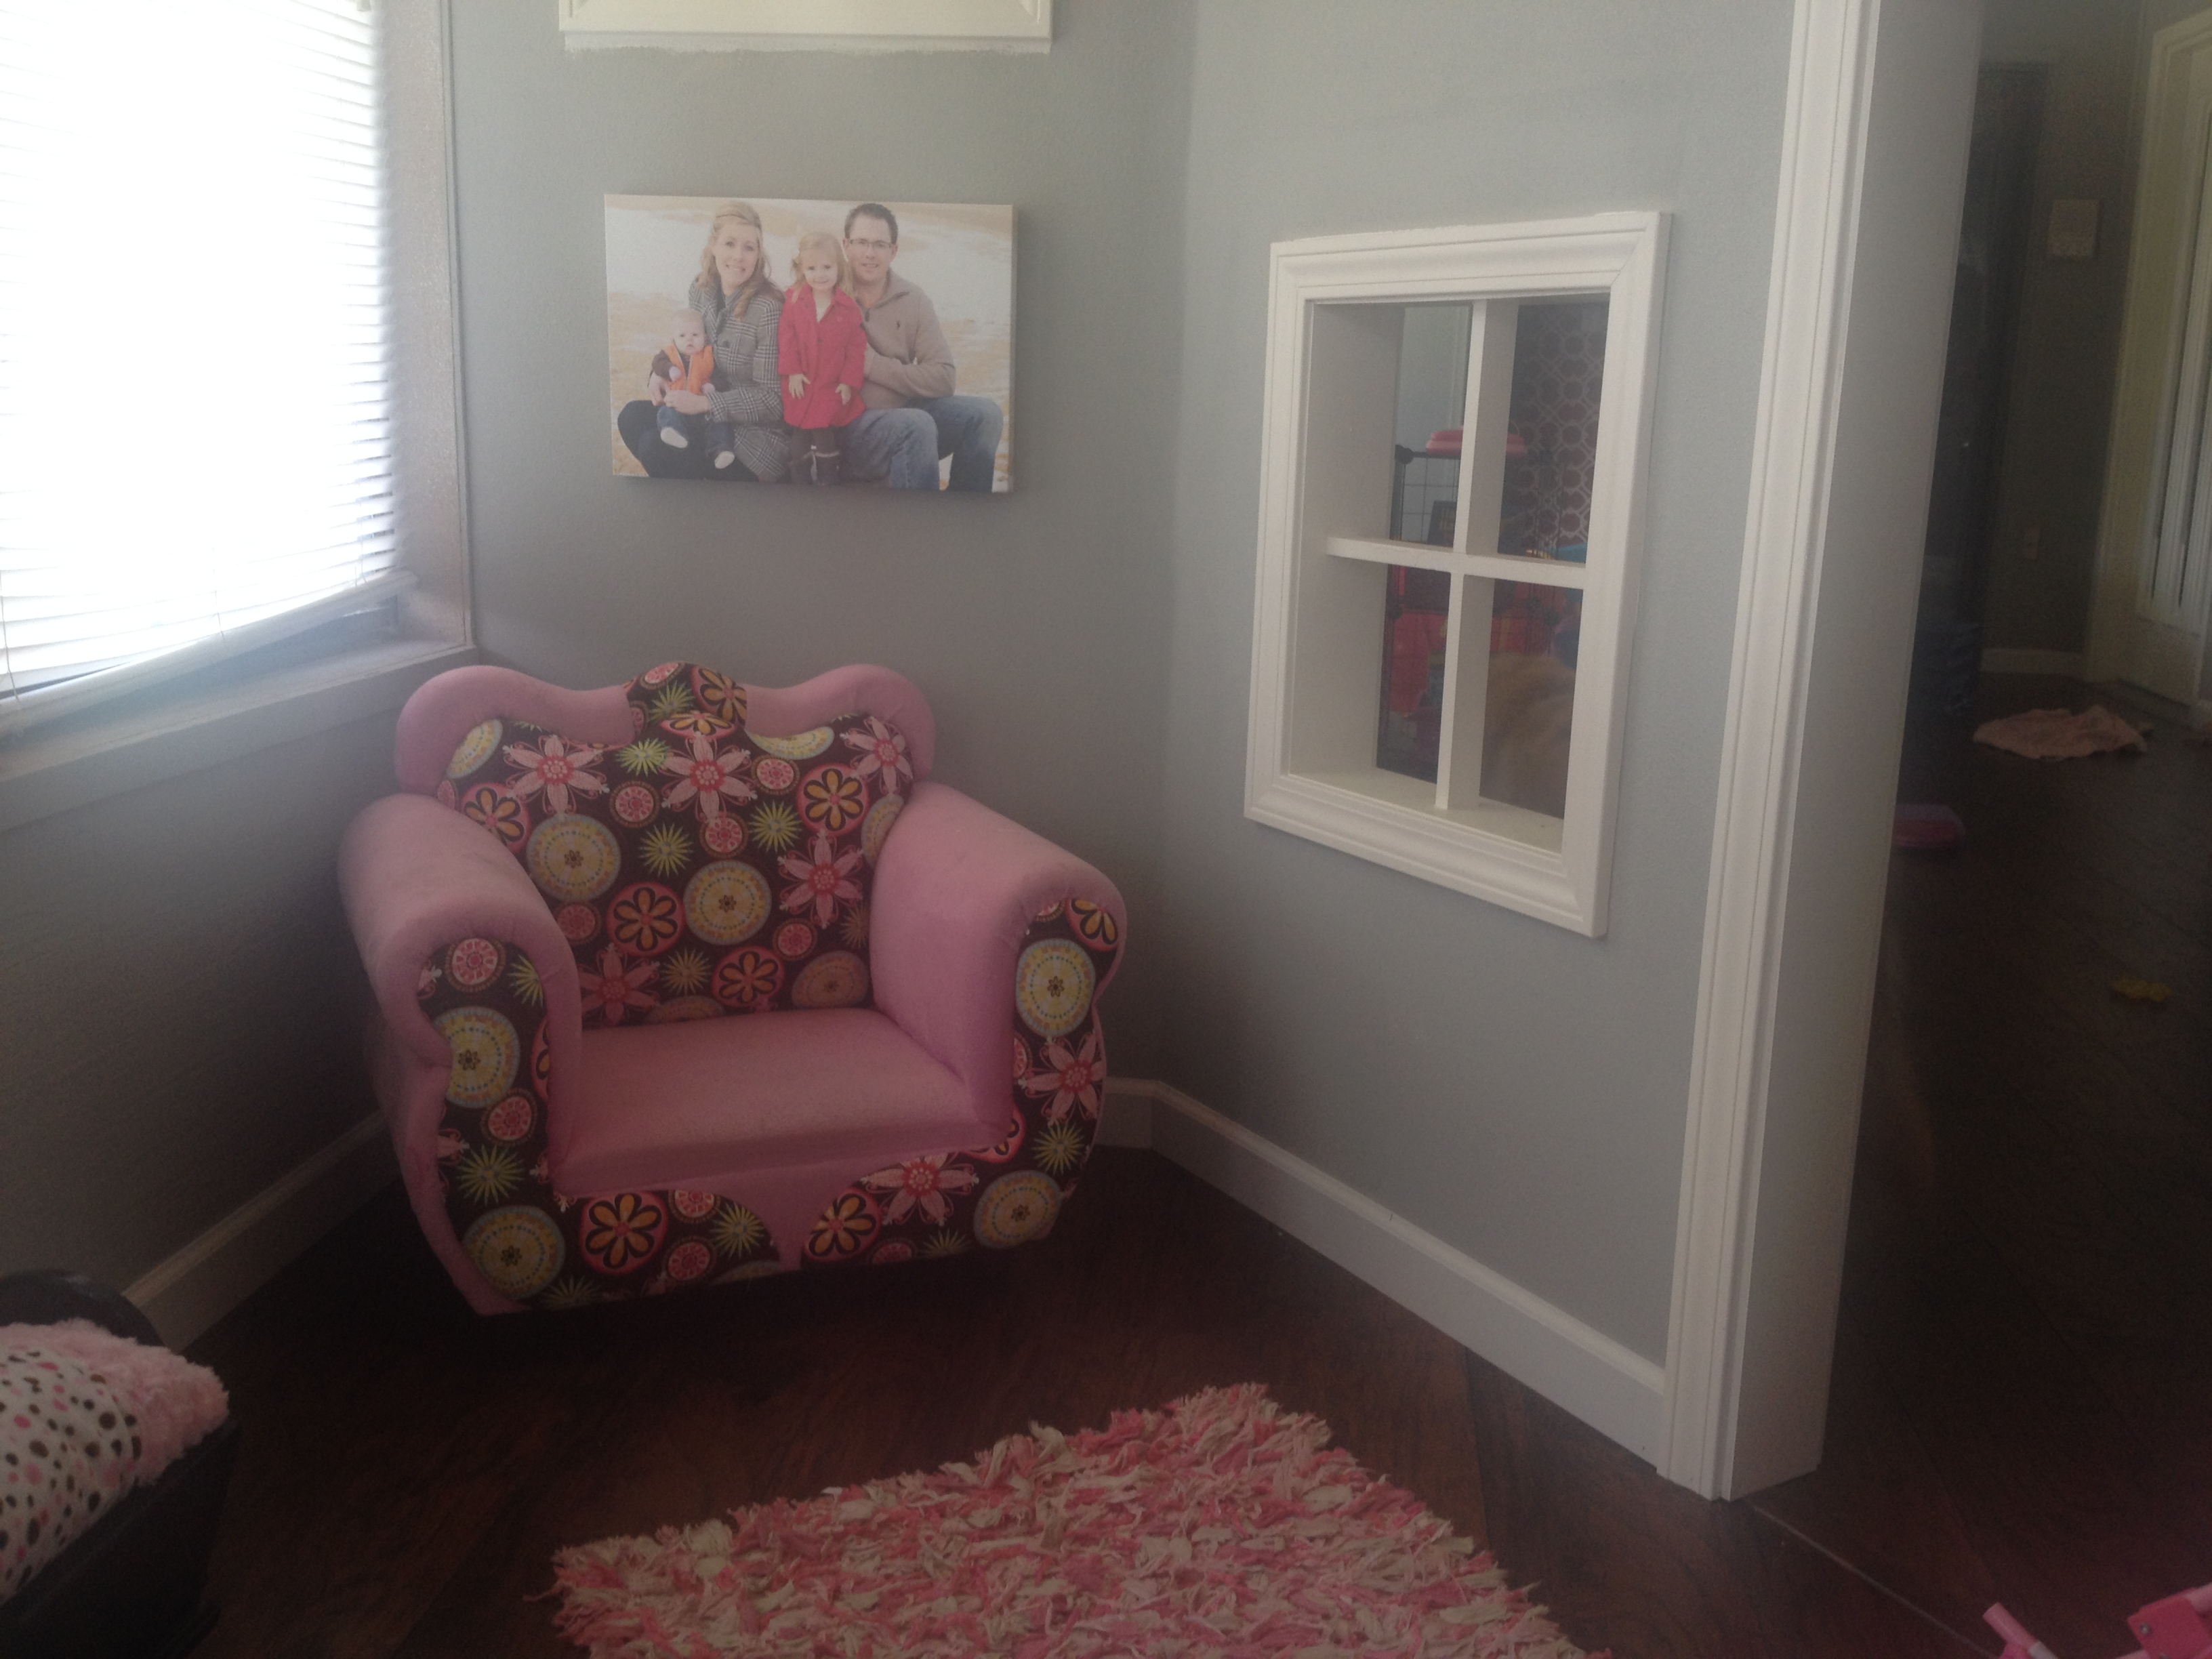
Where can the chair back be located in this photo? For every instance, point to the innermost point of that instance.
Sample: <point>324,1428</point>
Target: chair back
<point>698,869</point>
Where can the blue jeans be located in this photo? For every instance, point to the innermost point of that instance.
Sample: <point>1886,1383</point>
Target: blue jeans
<point>967,430</point>
<point>896,446</point>
<point>901,447</point>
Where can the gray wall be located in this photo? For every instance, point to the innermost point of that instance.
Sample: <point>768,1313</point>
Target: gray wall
<point>1036,623</point>
<point>179,1025</point>
<point>1517,1089</point>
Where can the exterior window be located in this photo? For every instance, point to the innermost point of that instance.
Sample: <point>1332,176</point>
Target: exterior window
<point>1454,441</point>
<point>239,151</point>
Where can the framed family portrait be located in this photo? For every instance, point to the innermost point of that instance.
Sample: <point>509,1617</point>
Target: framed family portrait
<point>854,343</point>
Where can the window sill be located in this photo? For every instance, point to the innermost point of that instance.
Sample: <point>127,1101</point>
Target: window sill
<point>187,729</point>
<point>1506,854</point>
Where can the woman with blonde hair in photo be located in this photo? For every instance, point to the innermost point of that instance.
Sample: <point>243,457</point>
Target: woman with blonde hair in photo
<point>739,301</point>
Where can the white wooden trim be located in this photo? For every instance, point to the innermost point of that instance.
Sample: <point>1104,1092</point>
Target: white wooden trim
<point>810,25</point>
<point>1611,1387</point>
<point>1419,555</point>
<point>1604,1383</point>
<point>1824,137</point>
<point>197,1286</point>
<point>1866,226</point>
<point>1313,683</point>
<point>2157,254</point>
<point>55,772</point>
<point>2021,659</point>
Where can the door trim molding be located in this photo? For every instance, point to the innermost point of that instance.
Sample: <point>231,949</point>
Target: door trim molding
<point>1874,162</point>
<point>2137,432</point>
<point>1815,237</point>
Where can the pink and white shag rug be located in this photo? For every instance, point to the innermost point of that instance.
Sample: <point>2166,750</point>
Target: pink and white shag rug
<point>1219,1526</point>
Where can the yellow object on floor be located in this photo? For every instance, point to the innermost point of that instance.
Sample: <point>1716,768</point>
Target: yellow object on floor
<point>2142,990</point>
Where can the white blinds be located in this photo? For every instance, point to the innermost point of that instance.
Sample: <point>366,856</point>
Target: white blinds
<point>195,437</point>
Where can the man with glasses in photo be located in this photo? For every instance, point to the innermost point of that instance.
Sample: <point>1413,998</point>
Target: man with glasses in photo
<point>913,418</point>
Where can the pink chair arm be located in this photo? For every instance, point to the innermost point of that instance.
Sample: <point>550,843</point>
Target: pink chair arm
<point>956,892</point>
<point>416,877</point>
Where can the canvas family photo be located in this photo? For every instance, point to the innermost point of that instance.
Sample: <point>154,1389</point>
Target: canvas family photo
<point>829,343</point>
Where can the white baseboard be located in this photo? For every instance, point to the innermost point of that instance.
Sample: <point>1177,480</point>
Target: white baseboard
<point>1615,1391</point>
<point>2014,660</point>
<point>1585,1372</point>
<point>201,1282</point>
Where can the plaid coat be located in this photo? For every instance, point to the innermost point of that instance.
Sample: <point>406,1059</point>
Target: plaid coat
<point>751,397</point>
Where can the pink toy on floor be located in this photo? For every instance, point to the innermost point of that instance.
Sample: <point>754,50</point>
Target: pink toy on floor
<point>2174,1628</point>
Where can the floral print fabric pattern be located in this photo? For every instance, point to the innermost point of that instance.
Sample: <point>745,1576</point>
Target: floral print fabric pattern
<point>532,1243</point>
<point>701,871</point>
<point>687,836</point>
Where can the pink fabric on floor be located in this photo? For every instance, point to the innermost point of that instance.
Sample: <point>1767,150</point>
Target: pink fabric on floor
<point>664,1105</point>
<point>2058,734</point>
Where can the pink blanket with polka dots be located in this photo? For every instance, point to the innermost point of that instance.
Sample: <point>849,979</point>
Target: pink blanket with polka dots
<point>85,1415</point>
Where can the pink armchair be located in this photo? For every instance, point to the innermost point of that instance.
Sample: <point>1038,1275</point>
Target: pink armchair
<point>684,980</point>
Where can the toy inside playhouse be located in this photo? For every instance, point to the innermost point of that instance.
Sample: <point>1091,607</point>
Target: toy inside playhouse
<point>1544,516</point>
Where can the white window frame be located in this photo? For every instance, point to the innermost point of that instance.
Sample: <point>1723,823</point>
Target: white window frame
<point>810,25</point>
<point>1317,636</point>
<point>206,716</point>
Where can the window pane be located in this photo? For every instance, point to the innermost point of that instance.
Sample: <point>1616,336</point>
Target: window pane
<point>1551,445</point>
<point>1431,404</point>
<point>194,435</point>
<point>1528,716</point>
<point>1414,612</point>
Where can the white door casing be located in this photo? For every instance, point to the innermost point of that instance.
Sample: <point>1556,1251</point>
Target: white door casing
<point>1879,111</point>
<point>2154,569</point>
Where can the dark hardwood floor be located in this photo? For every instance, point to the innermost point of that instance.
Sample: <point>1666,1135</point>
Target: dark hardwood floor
<point>2023,1367</point>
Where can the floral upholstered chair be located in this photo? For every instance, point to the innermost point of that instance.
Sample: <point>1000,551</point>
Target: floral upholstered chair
<point>684,980</point>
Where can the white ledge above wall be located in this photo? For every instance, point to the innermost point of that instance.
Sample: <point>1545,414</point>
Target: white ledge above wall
<point>1554,510</point>
<point>810,25</point>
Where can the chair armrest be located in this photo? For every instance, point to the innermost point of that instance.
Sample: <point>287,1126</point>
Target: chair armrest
<point>416,877</point>
<point>955,891</point>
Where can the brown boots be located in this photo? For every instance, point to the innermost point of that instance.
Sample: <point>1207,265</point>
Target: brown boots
<point>814,456</point>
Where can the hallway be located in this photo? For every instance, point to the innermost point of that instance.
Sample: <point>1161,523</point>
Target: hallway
<point>2025,1352</point>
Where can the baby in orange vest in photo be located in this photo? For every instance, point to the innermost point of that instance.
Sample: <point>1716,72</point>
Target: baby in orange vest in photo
<point>687,364</point>
<point>822,352</point>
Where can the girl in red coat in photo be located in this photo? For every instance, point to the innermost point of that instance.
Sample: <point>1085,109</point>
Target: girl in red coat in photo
<point>822,353</point>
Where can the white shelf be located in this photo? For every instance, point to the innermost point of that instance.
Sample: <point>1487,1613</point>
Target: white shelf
<point>1501,567</point>
<point>1335,316</point>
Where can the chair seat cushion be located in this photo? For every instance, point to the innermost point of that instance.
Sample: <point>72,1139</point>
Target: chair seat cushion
<point>662,1106</point>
